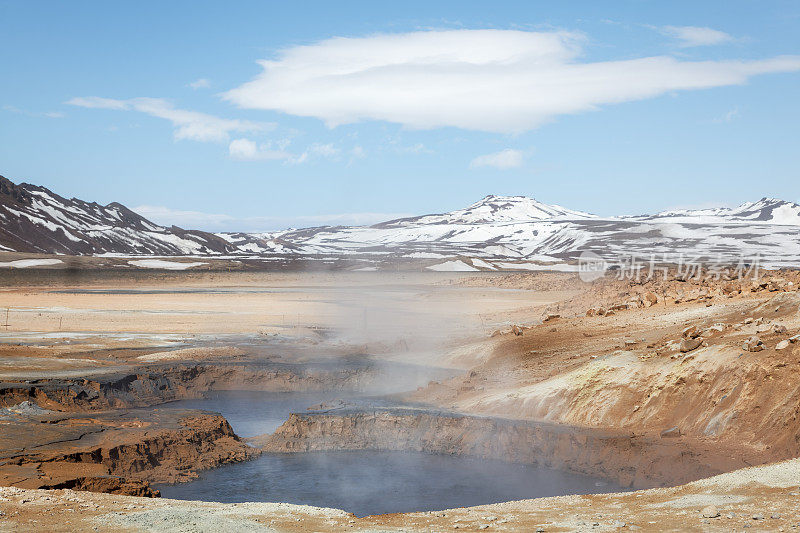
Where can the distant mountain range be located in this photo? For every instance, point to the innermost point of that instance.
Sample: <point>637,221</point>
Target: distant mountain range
<point>34,219</point>
<point>495,232</point>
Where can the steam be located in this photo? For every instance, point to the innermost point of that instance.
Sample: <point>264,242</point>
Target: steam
<point>408,330</point>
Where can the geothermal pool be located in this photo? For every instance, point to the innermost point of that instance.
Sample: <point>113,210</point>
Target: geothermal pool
<point>361,482</point>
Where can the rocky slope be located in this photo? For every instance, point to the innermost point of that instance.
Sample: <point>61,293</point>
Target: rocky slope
<point>34,219</point>
<point>630,461</point>
<point>114,451</point>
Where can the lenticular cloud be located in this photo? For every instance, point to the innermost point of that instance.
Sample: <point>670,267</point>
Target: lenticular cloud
<point>489,80</point>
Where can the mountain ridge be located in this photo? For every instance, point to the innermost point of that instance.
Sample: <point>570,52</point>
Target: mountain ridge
<point>518,228</point>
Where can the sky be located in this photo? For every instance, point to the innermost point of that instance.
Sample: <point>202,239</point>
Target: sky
<point>258,115</point>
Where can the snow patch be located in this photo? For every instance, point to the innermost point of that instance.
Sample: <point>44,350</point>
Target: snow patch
<point>164,265</point>
<point>26,263</point>
<point>452,266</point>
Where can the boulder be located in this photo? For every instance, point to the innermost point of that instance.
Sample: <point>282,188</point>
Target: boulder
<point>710,511</point>
<point>650,298</point>
<point>691,332</point>
<point>753,344</point>
<point>780,329</point>
<point>689,344</point>
<point>782,345</point>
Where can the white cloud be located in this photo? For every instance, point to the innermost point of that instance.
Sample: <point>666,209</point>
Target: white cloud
<point>247,150</point>
<point>201,83</point>
<point>188,124</point>
<point>503,160</point>
<point>489,80</point>
<point>689,36</point>
<point>222,222</point>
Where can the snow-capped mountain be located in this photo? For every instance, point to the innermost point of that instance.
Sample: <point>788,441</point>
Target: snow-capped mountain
<point>493,209</point>
<point>508,231</point>
<point>34,219</point>
<point>766,210</point>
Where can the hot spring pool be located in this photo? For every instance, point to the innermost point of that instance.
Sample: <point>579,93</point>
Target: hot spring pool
<point>361,482</point>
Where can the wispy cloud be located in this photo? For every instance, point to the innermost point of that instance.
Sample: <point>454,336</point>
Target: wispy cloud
<point>690,36</point>
<point>417,148</point>
<point>730,116</point>
<point>223,222</point>
<point>247,150</point>
<point>201,83</point>
<point>316,151</point>
<point>504,81</point>
<point>358,152</point>
<point>191,125</point>
<point>503,160</point>
<point>43,114</point>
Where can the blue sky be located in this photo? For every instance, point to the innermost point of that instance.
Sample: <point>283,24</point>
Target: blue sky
<point>366,110</point>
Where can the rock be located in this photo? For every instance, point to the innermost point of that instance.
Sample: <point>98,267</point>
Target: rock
<point>782,345</point>
<point>691,332</point>
<point>619,307</point>
<point>610,313</point>
<point>602,311</point>
<point>630,342</point>
<point>516,330</point>
<point>748,320</point>
<point>780,329</point>
<point>753,344</point>
<point>650,299</point>
<point>710,512</point>
<point>671,433</point>
<point>687,345</point>
<point>794,339</point>
<point>550,317</point>
<point>591,312</point>
<point>758,517</point>
<point>776,516</point>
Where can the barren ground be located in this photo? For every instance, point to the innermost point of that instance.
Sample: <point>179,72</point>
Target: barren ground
<point>92,355</point>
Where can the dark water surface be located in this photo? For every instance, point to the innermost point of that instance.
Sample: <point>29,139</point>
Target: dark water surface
<point>362,482</point>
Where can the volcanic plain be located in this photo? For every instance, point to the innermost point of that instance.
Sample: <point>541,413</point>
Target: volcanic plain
<point>683,391</point>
